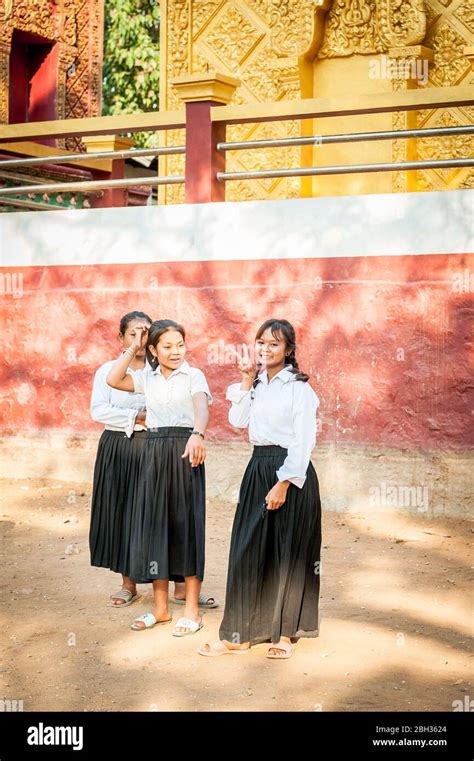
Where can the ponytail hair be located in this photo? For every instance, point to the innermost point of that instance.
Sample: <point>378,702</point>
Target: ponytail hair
<point>155,331</point>
<point>282,329</point>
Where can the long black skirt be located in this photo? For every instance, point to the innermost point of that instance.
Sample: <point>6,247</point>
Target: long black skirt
<point>168,524</point>
<point>274,562</point>
<point>115,478</point>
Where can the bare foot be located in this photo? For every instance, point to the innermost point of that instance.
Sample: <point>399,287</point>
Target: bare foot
<point>276,651</point>
<point>229,645</point>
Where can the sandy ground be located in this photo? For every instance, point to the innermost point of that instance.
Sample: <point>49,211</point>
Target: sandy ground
<point>395,619</point>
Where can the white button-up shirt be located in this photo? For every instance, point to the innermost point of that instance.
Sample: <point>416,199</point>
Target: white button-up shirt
<point>169,401</point>
<point>116,409</point>
<point>282,412</point>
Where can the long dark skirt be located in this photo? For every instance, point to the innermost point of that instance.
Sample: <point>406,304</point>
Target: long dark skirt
<point>168,525</point>
<point>115,478</point>
<point>274,562</point>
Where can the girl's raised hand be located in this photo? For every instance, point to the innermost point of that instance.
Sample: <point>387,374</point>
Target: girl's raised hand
<point>246,367</point>
<point>140,338</point>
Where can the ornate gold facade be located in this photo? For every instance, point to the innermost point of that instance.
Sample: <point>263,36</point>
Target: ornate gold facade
<point>283,49</point>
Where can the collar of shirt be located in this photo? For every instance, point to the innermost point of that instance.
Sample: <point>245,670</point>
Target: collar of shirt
<point>183,368</point>
<point>284,375</point>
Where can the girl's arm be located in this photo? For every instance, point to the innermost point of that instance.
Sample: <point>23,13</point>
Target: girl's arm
<point>118,376</point>
<point>102,411</point>
<point>303,440</point>
<point>195,447</point>
<point>240,396</point>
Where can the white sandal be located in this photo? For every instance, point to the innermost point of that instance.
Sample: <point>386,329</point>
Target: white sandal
<point>149,620</point>
<point>190,627</point>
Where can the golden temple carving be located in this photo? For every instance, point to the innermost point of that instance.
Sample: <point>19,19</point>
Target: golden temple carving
<point>295,49</point>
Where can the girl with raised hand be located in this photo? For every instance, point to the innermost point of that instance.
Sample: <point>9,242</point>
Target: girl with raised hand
<point>116,465</point>
<point>273,576</point>
<point>169,513</point>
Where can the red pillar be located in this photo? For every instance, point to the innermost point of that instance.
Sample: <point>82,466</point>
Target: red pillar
<point>203,160</point>
<point>201,92</point>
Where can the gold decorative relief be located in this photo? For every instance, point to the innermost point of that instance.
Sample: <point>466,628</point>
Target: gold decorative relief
<point>351,28</point>
<point>450,65</point>
<point>4,80</point>
<point>232,37</point>
<point>275,48</point>
<point>465,14</point>
<point>366,26</point>
<point>257,40</point>
<point>202,13</point>
<point>449,32</point>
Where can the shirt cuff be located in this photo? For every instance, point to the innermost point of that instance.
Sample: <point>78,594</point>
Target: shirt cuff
<point>235,393</point>
<point>296,480</point>
<point>132,414</point>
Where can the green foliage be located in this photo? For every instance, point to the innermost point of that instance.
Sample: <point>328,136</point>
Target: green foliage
<point>131,58</point>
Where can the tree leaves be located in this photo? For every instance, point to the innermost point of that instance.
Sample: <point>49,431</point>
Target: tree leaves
<point>131,72</point>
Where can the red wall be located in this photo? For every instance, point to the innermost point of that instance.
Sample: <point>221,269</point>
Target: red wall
<point>349,331</point>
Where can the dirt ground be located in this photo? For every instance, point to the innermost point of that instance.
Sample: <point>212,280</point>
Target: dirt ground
<point>395,619</point>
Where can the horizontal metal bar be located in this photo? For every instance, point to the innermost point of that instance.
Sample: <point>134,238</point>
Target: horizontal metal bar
<point>82,187</point>
<point>65,159</point>
<point>29,205</point>
<point>399,166</point>
<point>348,138</point>
<point>29,149</point>
<point>316,108</point>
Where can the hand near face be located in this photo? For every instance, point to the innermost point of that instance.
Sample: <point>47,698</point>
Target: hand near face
<point>140,339</point>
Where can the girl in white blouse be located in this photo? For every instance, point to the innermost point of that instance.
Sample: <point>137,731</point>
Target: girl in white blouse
<point>169,512</point>
<point>272,590</point>
<point>116,465</point>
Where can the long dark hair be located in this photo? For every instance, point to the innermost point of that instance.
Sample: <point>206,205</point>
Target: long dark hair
<point>127,318</point>
<point>156,330</point>
<point>283,329</point>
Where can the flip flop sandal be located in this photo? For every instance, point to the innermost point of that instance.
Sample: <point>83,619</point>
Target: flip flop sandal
<point>125,595</point>
<point>220,649</point>
<point>191,627</point>
<point>285,646</point>
<point>203,601</point>
<point>149,620</point>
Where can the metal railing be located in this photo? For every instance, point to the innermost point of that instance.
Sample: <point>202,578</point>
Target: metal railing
<point>62,159</point>
<point>199,173</point>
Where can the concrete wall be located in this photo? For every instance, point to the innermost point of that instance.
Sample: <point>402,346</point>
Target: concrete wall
<point>379,288</point>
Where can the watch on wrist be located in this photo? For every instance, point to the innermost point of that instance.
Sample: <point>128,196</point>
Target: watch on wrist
<point>199,434</point>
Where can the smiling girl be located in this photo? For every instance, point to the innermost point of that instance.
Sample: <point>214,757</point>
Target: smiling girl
<point>169,513</point>
<point>273,577</point>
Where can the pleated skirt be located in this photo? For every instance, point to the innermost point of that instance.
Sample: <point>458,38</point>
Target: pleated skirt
<point>168,523</point>
<point>273,577</point>
<point>115,478</point>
